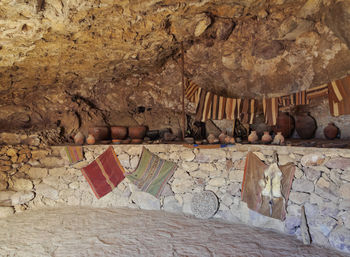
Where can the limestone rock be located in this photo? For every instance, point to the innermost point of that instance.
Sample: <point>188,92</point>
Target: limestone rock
<point>35,172</point>
<point>299,197</point>
<point>344,191</point>
<point>312,160</point>
<point>145,201</point>
<point>21,184</point>
<point>236,176</point>
<point>172,205</point>
<point>47,191</point>
<point>39,154</point>
<point>5,198</point>
<point>22,197</point>
<point>338,163</point>
<point>189,166</point>
<point>217,182</point>
<point>187,156</point>
<point>312,174</point>
<point>284,159</point>
<point>340,238</point>
<point>52,162</point>
<point>303,185</point>
<point>203,23</point>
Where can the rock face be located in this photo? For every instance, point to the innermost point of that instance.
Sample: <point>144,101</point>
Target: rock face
<point>67,63</point>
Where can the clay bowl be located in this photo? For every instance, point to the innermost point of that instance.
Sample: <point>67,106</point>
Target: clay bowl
<point>137,132</point>
<point>99,133</point>
<point>126,141</point>
<point>119,132</point>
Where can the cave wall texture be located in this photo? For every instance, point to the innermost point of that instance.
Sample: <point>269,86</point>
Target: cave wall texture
<point>75,63</point>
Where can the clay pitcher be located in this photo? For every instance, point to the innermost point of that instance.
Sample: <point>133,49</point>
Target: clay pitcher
<point>90,139</point>
<point>253,137</point>
<point>305,126</point>
<point>79,138</point>
<point>331,131</point>
<point>266,138</point>
<point>279,139</point>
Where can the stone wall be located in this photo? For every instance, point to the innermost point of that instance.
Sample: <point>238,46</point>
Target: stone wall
<point>33,177</point>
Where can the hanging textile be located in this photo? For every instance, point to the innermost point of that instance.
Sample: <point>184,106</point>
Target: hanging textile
<point>339,96</point>
<point>248,111</point>
<point>230,109</point>
<point>207,106</point>
<point>222,106</point>
<point>200,106</point>
<point>270,108</point>
<point>74,154</point>
<point>317,92</point>
<point>215,107</point>
<point>191,89</point>
<point>299,98</point>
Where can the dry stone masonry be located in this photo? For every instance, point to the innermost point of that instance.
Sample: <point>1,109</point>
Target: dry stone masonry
<point>35,177</point>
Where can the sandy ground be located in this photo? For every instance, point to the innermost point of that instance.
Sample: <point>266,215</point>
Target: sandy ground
<point>126,232</point>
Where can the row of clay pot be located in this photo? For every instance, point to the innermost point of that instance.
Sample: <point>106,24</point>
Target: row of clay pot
<point>222,139</point>
<point>266,138</point>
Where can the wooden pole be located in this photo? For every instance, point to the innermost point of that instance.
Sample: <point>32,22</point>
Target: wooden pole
<point>183,90</point>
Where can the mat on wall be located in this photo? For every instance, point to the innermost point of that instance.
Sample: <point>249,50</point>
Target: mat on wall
<point>252,191</point>
<point>104,173</point>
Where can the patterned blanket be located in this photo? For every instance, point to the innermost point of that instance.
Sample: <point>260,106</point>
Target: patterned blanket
<point>105,173</point>
<point>152,173</point>
<point>74,153</point>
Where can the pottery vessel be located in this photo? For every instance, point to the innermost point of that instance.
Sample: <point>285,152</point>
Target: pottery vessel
<point>136,141</point>
<point>211,139</point>
<point>79,138</point>
<point>153,134</point>
<point>90,139</point>
<point>119,132</point>
<point>305,126</point>
<point>285,124</point>
<point>279,139</point>
<point>137,132</point>
<point>266,138</point>
<point>222,138</point>
<point>99,133</point>
<point>331,131</point>
<point>253,137</point>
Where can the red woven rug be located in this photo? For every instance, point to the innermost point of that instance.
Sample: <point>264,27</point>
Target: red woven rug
<point>105,173</point>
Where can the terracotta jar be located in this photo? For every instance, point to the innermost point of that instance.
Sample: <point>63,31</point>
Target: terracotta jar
<point>253,137</point>
<point>137,132</point>
<point>266,138</point>
<point>222,138</point>
<point>305,126</point>
<point>79,138</point>
<point>99,133</point>
<point>211,139</point>
<point>119,132</point>
<point>279,139</point>
<point>90,139</point>
<point>331,131</point>
<point>285,124</point>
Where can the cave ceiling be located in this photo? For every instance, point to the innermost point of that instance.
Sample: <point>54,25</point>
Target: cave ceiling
<point>50,49</point>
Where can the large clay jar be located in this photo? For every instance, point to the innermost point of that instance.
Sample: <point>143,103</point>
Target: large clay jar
<point>266,138</point>
<point>285,124</point>
<point>305,126</point>
<point>90,139</point>
<point>79,138</point>
<point>253,137</point>
<point>137,132</point>
<point>99,133</point>
<point>119,132</point>
<point>331,131</point>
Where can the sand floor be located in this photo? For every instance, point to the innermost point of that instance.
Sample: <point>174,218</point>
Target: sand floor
<point>127,232</point>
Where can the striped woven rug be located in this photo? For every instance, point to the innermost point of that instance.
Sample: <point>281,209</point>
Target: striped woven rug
<point>152,173</point>
<point>74,153</point>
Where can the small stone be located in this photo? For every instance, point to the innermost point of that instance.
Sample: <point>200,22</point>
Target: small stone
<point>39,154</point>
<point>298,197</point>
<point>312,174</point>
<point>182,185</point>
<point>172,205</point>
<point>339,238</point>
<point>291,224</point>
<point>5,168</point>
<point>235,156</point>
<point>303,185</point>
<point>6,211</point>
<point>52,162</point>
<point>189,166</point>
<point>217,182</point>
<point>344,191</point>
<point>298,173</point>
<point>284,159</point>
<point>312,160</point>
<point>56,172</point>
<point>21,184</point>
<point>145,201</point>
<point>35,172</point>
<point>323,183</point>
<point>22,197</point>
<point>11,152</point>
<point>338,163</point>
<point>187,156</point>
<point>234,188</point>
<point>236,176</point>
<point>204,205</point>
<point>202,25</point>
<point>47,191</point>
<point>344,205</point>
<point>227,199</point>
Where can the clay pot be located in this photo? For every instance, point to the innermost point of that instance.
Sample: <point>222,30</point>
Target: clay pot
<point>266,138</point>
<point>222,138</point>
<point>90,139</point>
<point>305,126</point>
<point>229,140</point>
<point>99,133</point>
<point>253,137</point>
<point>189,140</point>
<point>331,131</point>
<point>285,124</point>
<point>153,134</point>
<point>211,139</point>
<point>119,132</point>
<point>136,141</point>
<point>79,138</point>
<point>279,139</point>
<point>137,132</point>
<point>126,141</point>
